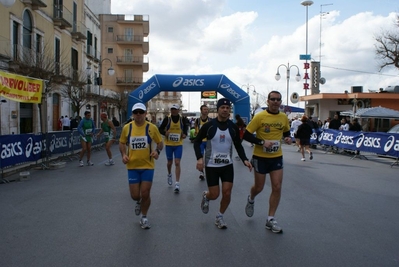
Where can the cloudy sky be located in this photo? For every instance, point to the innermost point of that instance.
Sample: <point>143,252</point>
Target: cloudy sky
<point>248,39</point>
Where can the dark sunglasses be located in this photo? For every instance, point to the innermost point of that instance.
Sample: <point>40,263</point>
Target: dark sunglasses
<point>275,99</point>
<point>138,111</point>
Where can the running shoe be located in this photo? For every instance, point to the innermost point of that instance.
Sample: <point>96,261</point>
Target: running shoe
<point>144,223</point>
<point>81,163</point>
<point>137,209</point>
<point>272,225</point>
<point>169,179</point>
<point>249,208</point>
<point>219,222</point>
<point>201,177</point>
<point>89,163</point>
<point>110,162</point>
<point>204,203</point>
<point>303,159</point>
<point>177,188</point>
<point>311,156</point>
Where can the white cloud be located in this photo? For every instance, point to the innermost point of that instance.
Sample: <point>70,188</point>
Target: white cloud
<point>197,37</point>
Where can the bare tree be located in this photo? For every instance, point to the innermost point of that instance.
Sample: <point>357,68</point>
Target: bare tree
<point>120,101</point>
<point>387,48</point>
<point>75,91</point>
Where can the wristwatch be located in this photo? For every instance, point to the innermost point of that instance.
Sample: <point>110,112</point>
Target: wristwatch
<point>262,142</point>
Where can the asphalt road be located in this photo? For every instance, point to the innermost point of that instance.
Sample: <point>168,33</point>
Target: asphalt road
<point>334,211</point>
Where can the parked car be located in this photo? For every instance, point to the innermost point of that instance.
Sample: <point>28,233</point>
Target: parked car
<point>394,129</point>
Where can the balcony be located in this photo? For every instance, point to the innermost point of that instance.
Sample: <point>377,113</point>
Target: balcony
<point>143,20</point>
<point>97,55</point>
<point>129,81</point>
<point>79,31</point>
<point>133,61</point>
<point>62,17</point>
<point>34,4</point>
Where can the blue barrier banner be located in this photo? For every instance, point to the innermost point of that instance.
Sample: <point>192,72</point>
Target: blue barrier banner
<point>374,142</point>
<point>59,142</point>
<point>313,138</point>
<point>16,149</point>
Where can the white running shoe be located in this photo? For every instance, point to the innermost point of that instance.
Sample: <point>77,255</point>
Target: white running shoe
<point>81,163</point>
<point>219,222</point>
<point>204,203</point>
<point>249,208</point>
<point>144,223</point>
<point>169,179</point>
<point>272,225</point>
<point>89,163</point>
<point>177,188</point>
<point>109,162</point>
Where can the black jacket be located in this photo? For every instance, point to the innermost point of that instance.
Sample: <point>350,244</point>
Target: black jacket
<point>304,131</point>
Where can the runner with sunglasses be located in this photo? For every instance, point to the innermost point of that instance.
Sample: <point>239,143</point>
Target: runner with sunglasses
<point>271,127</point>
<point>135,145</point>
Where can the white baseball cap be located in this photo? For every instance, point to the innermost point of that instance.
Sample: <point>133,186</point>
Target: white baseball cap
<point>175,106</point>
<point>139,106</point>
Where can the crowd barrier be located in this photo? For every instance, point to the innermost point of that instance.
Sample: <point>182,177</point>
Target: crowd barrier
<point>373,142</point>
<point>27,148</point>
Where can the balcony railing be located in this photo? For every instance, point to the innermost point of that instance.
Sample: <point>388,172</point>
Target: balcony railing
<point>79,31</point>
<point>133,18</point>
<point>131,39</point>
<point>90,51</point>
<point>129,80</point>
<point>62,17</point>
<point>35,4</point>
<point>5,48</point>
<point>131,60</point>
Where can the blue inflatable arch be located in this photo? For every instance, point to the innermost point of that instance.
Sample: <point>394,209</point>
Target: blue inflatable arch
<point>193,83</point>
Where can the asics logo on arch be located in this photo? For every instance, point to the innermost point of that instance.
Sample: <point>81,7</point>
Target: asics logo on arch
<point>230,90</point>
<point>188,82</point>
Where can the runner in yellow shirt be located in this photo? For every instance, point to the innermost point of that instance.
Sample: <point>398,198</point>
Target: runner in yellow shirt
<point>175,130</point>
<point>271,127</point>
<point>138,153</point>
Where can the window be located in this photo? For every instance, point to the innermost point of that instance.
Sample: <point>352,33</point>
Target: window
<point>15,40</point>
<point>27,30</point>
<point>57,55</point>
<point>110,50</point>
<point>110,29</point>
<point>74,61</point>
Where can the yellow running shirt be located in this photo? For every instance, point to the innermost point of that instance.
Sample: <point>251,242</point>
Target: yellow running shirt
<point>269,127</point>
<point>175,133</point>
<point>139,144</point>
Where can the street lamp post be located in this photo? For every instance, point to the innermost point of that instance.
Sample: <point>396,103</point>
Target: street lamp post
<point>248,87</point>
<point>288,67</point>
<point>306,4</point>
<point>110,72</point>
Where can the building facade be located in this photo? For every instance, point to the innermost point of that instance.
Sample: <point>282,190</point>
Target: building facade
<point>72,48</point>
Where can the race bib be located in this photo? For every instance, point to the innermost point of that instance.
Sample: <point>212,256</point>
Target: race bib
<point>174,137</point>
<point>221,158</point>
<point>88,131</point>
<point>138,142</point>
<point>275,147</point>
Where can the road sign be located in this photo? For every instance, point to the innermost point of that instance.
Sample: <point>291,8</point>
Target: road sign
<point>304,57</point>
